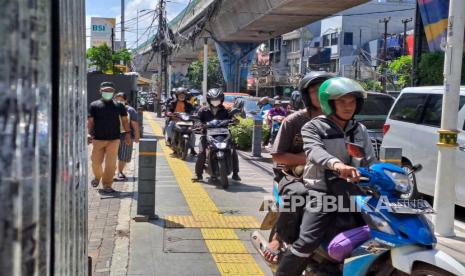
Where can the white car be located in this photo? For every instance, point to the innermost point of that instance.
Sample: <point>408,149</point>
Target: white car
<point>413,125</point>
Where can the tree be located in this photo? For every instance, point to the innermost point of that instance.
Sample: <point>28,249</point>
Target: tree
<point>215,75</point>
<point>103,58</point>
<point>122,55</point>
<point>431,69</point>
<point>401,71</point>
<point>100,57</point>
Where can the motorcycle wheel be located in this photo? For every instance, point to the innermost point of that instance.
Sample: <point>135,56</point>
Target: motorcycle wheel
<point>185,149</point>
<point>423,269</point>
<point>223,173</point>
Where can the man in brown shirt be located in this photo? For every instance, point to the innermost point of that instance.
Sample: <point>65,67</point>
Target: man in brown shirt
<point>287,152</point>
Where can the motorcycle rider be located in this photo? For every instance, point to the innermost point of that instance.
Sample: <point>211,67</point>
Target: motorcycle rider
<point>214,110</point>
<point>288,151</point>
<point>325,139</point>
<point>180,105</point>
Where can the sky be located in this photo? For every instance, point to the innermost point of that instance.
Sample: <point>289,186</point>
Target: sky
<point>112,9</point>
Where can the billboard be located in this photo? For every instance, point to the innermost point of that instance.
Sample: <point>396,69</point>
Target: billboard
<point>100,30</point>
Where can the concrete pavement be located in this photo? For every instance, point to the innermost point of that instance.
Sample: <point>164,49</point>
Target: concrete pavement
<point>121,246</point>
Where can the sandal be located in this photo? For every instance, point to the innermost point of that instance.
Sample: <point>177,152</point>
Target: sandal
<point>271,256</point>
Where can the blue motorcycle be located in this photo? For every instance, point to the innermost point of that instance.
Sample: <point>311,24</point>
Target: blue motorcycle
<point>400,239</point>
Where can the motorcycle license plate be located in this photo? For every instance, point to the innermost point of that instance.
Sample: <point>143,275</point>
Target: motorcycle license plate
<point>411,206</point>
<point>217,131</point>
<point>184,123</point>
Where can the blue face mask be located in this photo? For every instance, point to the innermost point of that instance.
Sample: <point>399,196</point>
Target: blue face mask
<point>107,96</point>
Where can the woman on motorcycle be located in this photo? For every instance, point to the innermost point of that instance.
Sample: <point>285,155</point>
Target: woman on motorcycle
<point>325,139</point>
<point>288,152</point>
<point>180,105</point>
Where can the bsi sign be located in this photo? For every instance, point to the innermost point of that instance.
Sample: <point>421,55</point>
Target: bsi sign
<point>101,29</point>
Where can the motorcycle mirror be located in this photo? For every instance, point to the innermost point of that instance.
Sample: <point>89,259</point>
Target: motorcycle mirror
<point>234,111</point>
<point>355,150</point>
<point>417,168</point>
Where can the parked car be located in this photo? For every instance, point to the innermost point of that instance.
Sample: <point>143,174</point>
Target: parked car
<point>248,106</point>
<point>373,115</point>
<point>413,125</point>
<point>230,97</point>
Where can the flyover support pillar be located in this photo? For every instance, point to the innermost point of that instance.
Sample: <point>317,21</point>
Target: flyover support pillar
<point>236,61</point>
<point>205,71</point>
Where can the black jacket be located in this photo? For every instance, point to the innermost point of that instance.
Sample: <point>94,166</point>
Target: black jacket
<point>206,114</point>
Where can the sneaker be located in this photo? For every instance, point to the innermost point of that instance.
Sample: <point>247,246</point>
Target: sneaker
<point>198,179</point>
<point>108,191</point>
<point>236,177</point>
<point>95,183</point>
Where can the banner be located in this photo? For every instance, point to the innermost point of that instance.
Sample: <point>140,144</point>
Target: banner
<point>100,31</point>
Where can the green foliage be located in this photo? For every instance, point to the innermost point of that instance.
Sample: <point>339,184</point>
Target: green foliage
<point>371,85</point>
<point>402,69</point>
<point>242,133</point>
<point>100,57</point>
<point>215,75</point>
<point>430,69</point>
<point>122,55</point>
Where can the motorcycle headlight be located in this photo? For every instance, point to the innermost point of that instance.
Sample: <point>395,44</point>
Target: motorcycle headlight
<point>401,180</point>
<point>381,224</point>
<point>221,145</point>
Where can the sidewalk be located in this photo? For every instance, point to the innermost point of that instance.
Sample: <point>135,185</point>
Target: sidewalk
<point>108,224</point>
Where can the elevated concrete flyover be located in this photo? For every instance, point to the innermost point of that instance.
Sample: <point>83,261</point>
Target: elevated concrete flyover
<point>260,20</point>
<point>238,26</point>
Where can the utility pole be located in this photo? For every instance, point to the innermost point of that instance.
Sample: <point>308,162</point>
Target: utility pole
<point>384,62</point>
<point>404,45</point>
<point>123,42</point>
<point>444,192</point>
<point>161,37</point>
<point>205,70</point>
<point>112,49</point>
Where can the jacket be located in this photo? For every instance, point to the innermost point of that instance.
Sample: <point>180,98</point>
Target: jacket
<point>325,144</point>
<point>188,108</point>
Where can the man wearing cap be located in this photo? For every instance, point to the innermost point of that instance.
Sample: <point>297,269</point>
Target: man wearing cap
<point>104,119</point>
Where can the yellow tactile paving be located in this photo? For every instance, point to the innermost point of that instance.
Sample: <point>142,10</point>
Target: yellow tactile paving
<point>228,252</point>
<point>226,246</point>
<point>218,234</point>
<point>211,221</point>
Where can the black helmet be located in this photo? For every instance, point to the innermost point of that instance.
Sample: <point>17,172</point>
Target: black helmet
<point>215,93</point>
<point>312,78</point>
<point>296,99</point>
<point>181,90</point>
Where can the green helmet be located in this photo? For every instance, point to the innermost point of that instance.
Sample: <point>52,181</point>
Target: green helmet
<point>335,88</point>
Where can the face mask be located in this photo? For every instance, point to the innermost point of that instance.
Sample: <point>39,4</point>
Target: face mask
<point>215,103</point>
<point>107,96</point>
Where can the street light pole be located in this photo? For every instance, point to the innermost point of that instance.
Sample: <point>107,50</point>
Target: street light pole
<point>137,30</point>
<point>444,193</point>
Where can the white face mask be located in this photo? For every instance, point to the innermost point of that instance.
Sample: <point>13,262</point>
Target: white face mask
<point>215,103</point>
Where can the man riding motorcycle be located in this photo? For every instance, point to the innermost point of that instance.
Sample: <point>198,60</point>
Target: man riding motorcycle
<point>325,139</point>
<point>214,110</point>
<point>288,151</point>
<point>180,105</point>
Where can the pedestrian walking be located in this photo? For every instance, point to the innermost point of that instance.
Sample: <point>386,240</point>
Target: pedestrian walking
<point>104,121</point>
<point>125,150</point>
